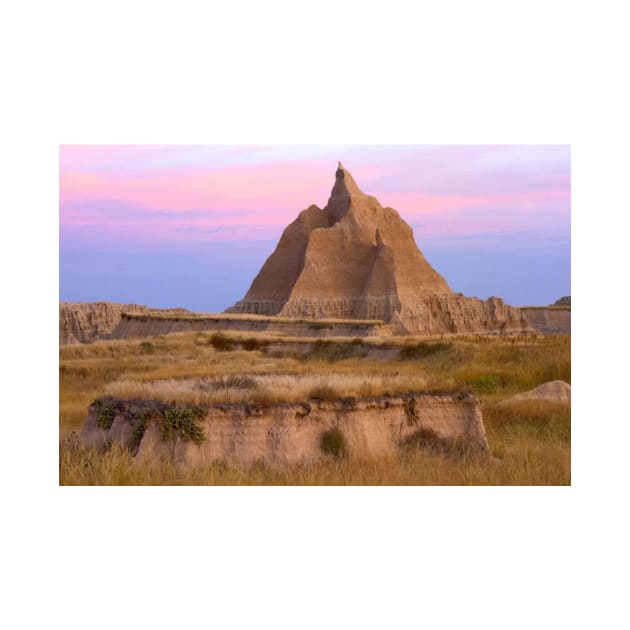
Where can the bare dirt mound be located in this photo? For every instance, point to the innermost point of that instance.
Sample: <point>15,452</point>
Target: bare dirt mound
<point>553,391</point>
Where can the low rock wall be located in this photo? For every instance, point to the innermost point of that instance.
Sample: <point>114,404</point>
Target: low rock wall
<point>136,327</point>
<point>285,434</point>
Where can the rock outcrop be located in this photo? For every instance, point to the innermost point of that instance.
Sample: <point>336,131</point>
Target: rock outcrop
<point>84,322</point>
<point>355,259</point>
<point>553,391</point>
<point>563,301</point>
<point>284,434</point>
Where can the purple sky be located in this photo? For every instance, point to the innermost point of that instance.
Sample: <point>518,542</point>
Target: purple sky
<point>191,225</point>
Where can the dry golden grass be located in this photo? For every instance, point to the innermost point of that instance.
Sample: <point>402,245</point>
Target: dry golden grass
<point>521,455</point>
<point>273,387</point>
<point>533,442</point>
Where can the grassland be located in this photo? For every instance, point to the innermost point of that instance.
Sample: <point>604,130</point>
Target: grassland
<point>530,443</point>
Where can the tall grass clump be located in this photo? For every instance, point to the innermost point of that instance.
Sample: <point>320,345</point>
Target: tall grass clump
<point>333,442</point>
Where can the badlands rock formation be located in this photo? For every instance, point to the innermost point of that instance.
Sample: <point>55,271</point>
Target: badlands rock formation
<point>83,322</point>
<point>285,433</point>
<point>356,259</point>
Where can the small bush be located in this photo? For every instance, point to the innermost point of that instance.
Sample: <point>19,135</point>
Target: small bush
<point>106,410</point>
<point>221,343</point>
<point>181,421</point>
<point>426,435</point>
<point>253,344</point>
<point>147,347</point>
<point>333,442</point>
<point>423,349</point>
<point>138,431</point>
<point>487,384</point>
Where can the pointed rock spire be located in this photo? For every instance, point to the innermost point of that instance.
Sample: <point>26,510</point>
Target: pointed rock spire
<point>344,183</point>
<point>343,191</point>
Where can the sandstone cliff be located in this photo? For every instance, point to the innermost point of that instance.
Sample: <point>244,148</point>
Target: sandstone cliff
<point>83,322</point>
<point>356,259</point>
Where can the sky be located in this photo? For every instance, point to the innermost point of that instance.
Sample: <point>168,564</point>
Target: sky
<point>191,225</point>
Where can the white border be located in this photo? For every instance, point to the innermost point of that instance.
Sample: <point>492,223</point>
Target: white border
<point>342,72</point>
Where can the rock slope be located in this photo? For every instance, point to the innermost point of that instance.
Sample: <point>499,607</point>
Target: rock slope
<point>356,259</point>
<point>84,322</point>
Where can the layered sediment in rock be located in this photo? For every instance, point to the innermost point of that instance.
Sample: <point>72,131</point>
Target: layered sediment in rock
<point>84,322</point>
<point>355,259</point>
<point>549,319</point>
<point>284,433</point>
<point>458,314</point>
<point>351,259</point>
<point>139,325</point>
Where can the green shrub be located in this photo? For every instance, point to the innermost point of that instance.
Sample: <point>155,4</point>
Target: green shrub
<point>147,347</point>
<point>138,431</point>
<point>181,422</point>
<point>487,384</point>
<point>106,409</point>
<point>333,442</point>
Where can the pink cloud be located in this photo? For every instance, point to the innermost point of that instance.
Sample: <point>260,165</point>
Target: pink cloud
<point>179,193</point>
